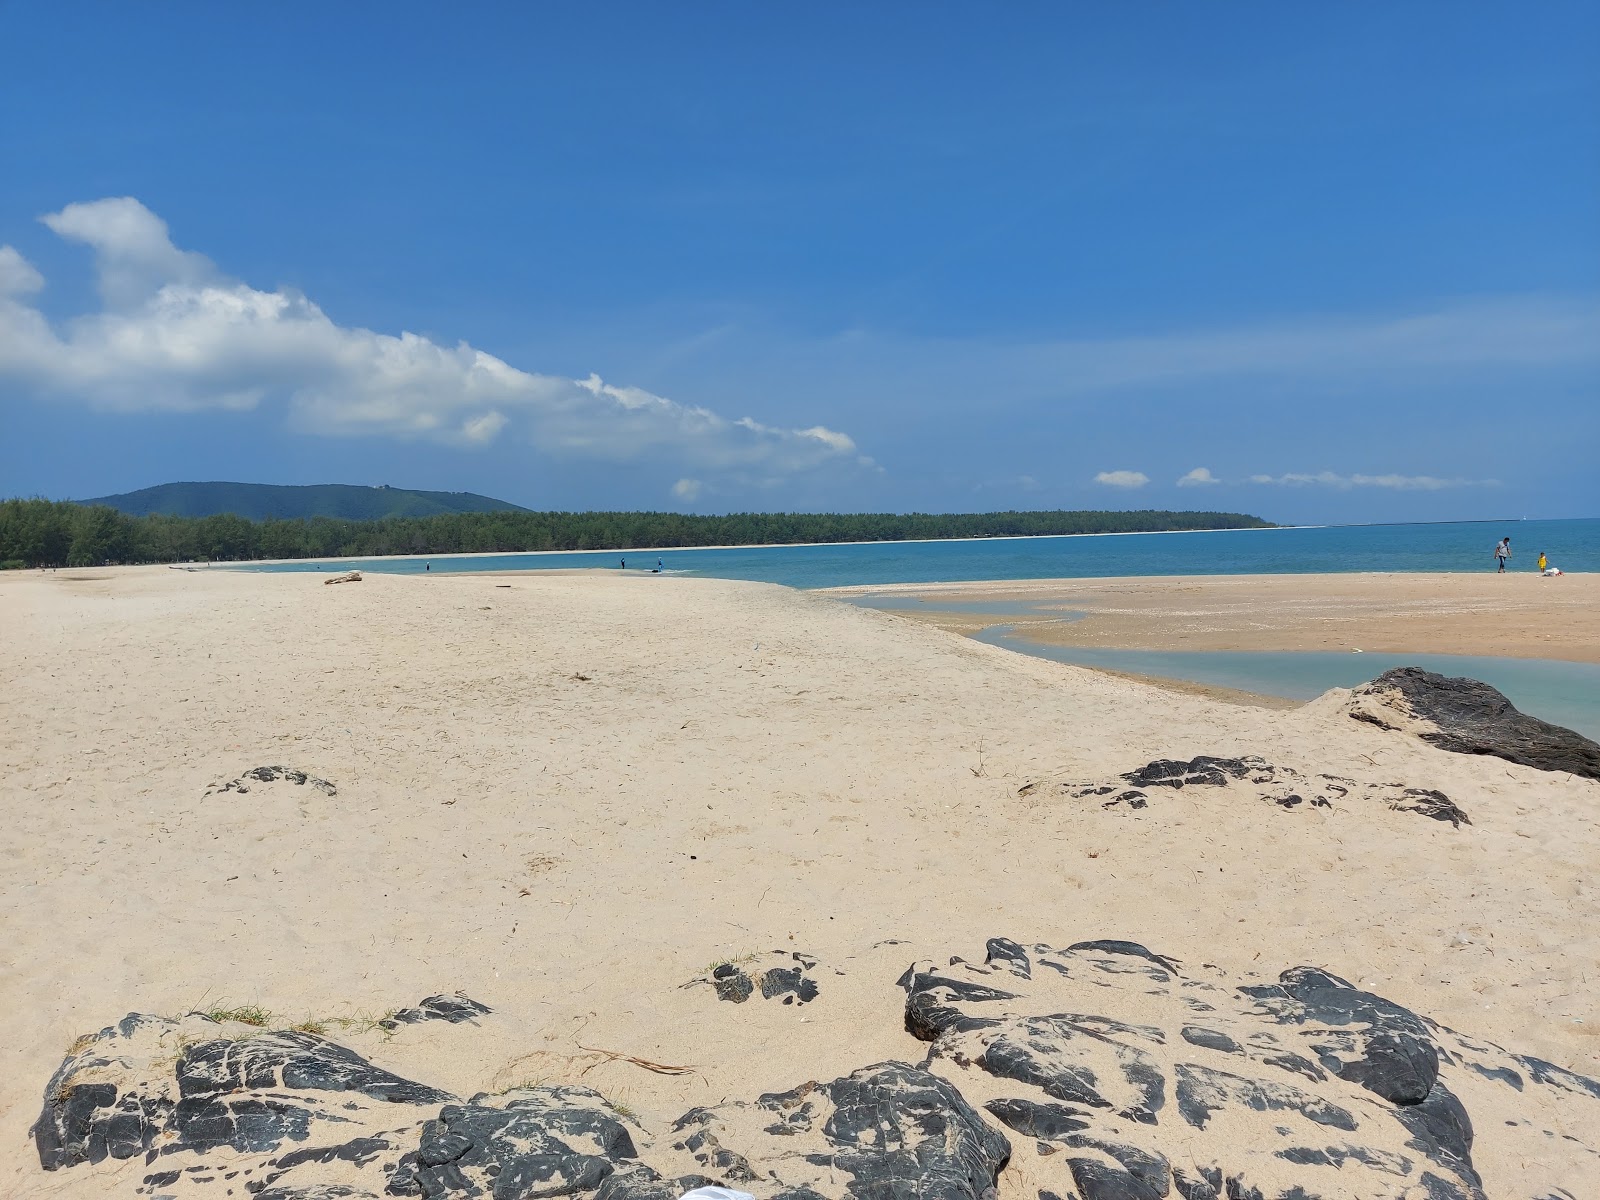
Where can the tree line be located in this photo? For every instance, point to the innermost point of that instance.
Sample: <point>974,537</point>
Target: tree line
<point>47,533</point>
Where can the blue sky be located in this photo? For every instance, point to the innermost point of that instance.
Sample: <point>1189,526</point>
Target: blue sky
<point>1316,262</point>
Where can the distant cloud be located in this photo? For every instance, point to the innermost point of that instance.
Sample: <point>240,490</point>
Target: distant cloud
<point>1420,483</point>
<point>687,489</point>
<point>1199,477</point>
<point>1122,479</point>
<point>175,334</point>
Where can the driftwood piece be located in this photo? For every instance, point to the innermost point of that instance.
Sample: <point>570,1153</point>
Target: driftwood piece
<point>347,577</point>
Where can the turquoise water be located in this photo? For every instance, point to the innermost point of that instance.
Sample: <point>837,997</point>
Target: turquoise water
<point>1571,545</point>
<point>1563,692</point>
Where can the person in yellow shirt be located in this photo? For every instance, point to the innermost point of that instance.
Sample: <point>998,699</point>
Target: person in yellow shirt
<point>1543,562</point>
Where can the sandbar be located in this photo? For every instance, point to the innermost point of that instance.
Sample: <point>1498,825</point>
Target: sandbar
<point>1516,615</point>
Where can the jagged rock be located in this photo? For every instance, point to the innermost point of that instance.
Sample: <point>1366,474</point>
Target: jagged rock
<point>1470,717</point>
<point>454,1009</point>
<point>1132,1075</point>
<point>221,1109</point>
<point>1138,1079</point>
<point>158,1088</point>
<point>1430,803</point>
<point>155,1086</point>
<point>896,1131</point>
<point>1283,786</point>
<point>541,1141</point>
<point>777,975</point>
<point>272,775</point>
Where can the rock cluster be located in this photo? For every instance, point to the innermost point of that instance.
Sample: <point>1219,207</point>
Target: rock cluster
<point>777,975</point>
<point>273,774</point>
<point>1283,786</point>
<point>1468,716</point>
<point>1101,1071</point>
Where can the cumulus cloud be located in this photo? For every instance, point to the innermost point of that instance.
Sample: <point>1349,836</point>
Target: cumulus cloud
<point>687,489</point>
<point>1122,479</point>
<point>1199,477</point>
<point>174,333</point>
<point>1419,483</point>
<point>18,276</point>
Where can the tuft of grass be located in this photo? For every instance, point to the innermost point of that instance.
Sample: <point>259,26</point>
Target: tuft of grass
<point>734,961</point>
<point>361,1022</point>
<point>244,1014</point>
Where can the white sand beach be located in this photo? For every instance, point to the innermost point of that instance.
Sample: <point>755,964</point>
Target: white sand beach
<point>566,796</point>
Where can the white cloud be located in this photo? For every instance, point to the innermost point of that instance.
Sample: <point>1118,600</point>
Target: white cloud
<point>18,276</point>
<point>1122,479</point>
<point>175,334</point>
<point>1420,483</point>
<point>1199,477</point>
<point>687,489</point>
<point>134,256</point>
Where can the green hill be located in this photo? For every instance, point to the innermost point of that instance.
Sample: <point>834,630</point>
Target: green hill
<point>258,501</point>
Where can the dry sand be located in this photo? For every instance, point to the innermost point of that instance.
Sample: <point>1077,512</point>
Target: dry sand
<point>566,796</point>
<point>1517,615</point>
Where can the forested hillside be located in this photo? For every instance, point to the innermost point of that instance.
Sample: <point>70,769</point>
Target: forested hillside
<point>261,501</point>
<point>59,533</point>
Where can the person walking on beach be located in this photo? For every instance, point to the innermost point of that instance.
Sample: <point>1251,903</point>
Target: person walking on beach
<point>1502,552</point>
<point>1543,562</point>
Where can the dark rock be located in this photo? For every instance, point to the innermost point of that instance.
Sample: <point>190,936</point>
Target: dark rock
<point>143,1087</point>
<point>1127,1097</point>
<point>1044,1121</point>
<point>1358,1036</point>
<point>1470,717</point>
<point>1301,1089</point>
<point>899,1132</point>
<point>939,1003</point>
<point>1202,1091</point>
<point>1131,949</point>
<point>272,775</point>
<point>1003,952</point>
<point>545,1141</point>
<point>778,975</point>
<point>1203,771</point>
<point>1431,803</point>
<point>1030,1050</point>
<point>1282,786</point>
<point>454,1009</point>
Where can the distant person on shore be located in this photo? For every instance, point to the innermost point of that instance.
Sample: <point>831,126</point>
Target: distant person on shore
<point>1543,562</point>
<point>1502,552</point>
<point>427,567</point>
<point>624,563</point>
